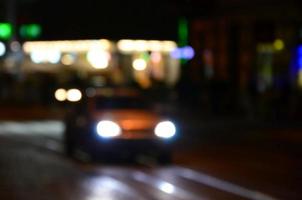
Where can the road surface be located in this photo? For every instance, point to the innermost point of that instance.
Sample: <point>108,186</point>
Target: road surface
<point>209,167</point>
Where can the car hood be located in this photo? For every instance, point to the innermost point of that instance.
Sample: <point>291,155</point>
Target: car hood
<point>131,119</point>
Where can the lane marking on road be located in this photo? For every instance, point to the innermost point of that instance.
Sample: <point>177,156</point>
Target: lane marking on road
<point>223,185</point>
<point>165,186</point>
<point>105,187</point>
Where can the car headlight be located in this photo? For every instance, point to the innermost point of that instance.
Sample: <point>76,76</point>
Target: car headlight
<point>108,129</point>
<point>74,95</point>
<point>165,129</point>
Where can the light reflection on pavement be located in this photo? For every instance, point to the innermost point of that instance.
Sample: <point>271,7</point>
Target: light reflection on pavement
<point>32,167</point>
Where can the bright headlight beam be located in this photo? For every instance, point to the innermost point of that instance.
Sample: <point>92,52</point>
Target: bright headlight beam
<point>60,94</point>
<point>108,129</point>
<point>74,95</point>
<point>165,129</point>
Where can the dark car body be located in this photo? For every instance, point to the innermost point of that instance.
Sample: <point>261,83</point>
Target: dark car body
<point>135,118</point>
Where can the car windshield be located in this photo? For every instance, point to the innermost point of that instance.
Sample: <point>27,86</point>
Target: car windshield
<point>121,103</point>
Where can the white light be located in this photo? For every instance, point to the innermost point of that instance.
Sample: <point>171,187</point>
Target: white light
<point>166,187</point>
<point>139,64</point>
<point>2,49</point>
<point>125,45</point>
<point>37,57</point>
<point>165,129</point>
<point>45,56</point>
<point>53,57</point>
<point>146,45</point>
<point>108,129</point>
<point>74,95</point>
<point>60,94</point>
<point>99,59</point>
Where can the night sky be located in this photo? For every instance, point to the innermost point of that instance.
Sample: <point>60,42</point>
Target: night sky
<point>111,19</point>
<point>135,19</point>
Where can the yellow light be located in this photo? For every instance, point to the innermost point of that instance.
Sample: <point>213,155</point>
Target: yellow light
<point>60,94</point>
<point>300,78</point>
<point>125,45</point>
<point>74,95</point>
<point>169,46</point>
<point>141,45</point>
<point>67,59</point>
<point>98,59</point>
<point>139,64</point>
<point>155,45</point>
<point>66,45</point>
<point>278,45</point>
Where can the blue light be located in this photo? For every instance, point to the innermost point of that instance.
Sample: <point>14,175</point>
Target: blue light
<point>300,61</point>
<point>300,50</point>
<point>188,52</point>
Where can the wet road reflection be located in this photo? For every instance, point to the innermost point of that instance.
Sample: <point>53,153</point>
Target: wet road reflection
<point>31,159</point>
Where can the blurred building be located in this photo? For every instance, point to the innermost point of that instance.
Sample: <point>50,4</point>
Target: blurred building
<point>38,68</point>
<point>115,63</point>
<point>248,52</point>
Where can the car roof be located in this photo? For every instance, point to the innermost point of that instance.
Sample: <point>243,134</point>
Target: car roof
<point>114,92</point>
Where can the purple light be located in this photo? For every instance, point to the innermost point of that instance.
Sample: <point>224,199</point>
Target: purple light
<point>188,52</point>
<point>176,53</point>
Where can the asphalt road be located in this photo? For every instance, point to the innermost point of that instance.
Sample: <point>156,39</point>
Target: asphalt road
<point>249,164</point>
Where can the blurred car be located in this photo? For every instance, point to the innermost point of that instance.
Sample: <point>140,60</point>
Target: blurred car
<point>114,123</point>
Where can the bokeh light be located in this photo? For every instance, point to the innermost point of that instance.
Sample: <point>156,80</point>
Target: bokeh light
<point>2,49</point>
<point>139,64</point>
<point>61,94</point>
<point>74,95</point>
<point>98,59</point>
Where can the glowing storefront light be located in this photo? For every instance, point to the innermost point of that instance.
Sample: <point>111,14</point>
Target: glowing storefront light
<point>139,64</point>
<point>98,59</point>
<point>155,45</point>
<point>168,46</point>
<point>37,57</point>
<point>146,45</point>
<point>2,49</point>
<point>53,57</point>
<point>141,45</point>
<point>125,45</point>
<point>45,56</point>
<point>67,45</point>
<point>68,59</point>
